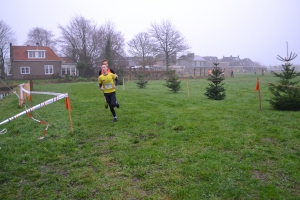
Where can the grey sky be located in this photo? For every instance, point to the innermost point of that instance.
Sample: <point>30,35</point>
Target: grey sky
<point>255,29</point>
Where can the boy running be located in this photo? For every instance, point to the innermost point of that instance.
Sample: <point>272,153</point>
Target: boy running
<point>107,81</point>
<point>105,62</point>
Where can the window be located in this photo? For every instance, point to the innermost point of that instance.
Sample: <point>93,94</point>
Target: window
<point>73,72</point>
<point>63,71</point>
<point>68,70</point>
<point>31,54</point>
<point>36,54</point>
<point>25,70</point>
<point>41,54</point>
<point>48,69</point>
<point>8,72</point>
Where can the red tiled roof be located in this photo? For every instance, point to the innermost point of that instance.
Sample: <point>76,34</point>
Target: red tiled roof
<point>20,53</point>
<point>66,60</point>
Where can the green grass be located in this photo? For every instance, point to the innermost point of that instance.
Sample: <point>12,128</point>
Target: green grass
<point>164,145</point>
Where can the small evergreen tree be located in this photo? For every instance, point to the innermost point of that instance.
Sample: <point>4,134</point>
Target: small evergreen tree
<point>142,82</point>
<point>173,81</point>
<point>216,89</point>
<point>286,95</point>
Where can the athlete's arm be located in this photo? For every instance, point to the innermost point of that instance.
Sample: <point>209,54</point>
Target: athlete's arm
<point>116,79</point>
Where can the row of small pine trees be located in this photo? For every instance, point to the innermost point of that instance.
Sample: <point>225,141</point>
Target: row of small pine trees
<point>286,93</point>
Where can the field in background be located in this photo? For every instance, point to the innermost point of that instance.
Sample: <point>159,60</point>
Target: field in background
<point>164,145</point>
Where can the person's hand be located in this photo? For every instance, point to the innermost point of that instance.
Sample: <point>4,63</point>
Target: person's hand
<point>116,75</point>
<point>102,88</point>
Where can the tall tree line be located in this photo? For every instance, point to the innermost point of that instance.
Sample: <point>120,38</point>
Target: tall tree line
<point>7,36</point>
<point>86,42</point>
<point>162,41</point>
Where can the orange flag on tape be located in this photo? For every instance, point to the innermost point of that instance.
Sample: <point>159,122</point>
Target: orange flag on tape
<point>257,85</point>
<point>68,104</point>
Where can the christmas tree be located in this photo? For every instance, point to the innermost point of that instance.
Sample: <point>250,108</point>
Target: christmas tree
<point>172,81</point>
<point>286,94</point>
<point>141,81</point>
<point>216,89</point>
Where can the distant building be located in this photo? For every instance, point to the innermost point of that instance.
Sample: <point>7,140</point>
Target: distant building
<point>33,62</point>
<point>68,66</point>
<point>225,61</point>
<point>191,62</point>
<point>245,64</point>
<point>210,60</point>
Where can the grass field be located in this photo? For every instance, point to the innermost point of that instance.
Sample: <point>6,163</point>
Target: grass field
<point>164,145</point>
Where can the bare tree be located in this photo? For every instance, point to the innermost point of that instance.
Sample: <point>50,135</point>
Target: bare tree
<point>2,74</point>
<point>7,36</point>
<point>168,40</point>
<point>112,44</point>
<point>41,37</point>
<point>141,47</point>
<point>81,41</point>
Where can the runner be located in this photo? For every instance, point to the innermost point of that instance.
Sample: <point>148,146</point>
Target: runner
<point>107,81</point>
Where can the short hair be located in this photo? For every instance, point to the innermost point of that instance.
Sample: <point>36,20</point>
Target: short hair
<point>105,60</point>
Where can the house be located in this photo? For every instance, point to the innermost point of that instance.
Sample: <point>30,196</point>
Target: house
<point>245,64</point>
<point>210,60</point>
<point>225,61</point>
<point>191,62</point>
<point>159,61</point>
<point>33,62</point>
<point>68,66</point>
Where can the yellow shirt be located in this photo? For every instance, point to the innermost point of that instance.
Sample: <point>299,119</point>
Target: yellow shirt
<point>107,82</point>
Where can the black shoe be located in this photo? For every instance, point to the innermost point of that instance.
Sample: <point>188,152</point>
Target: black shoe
<point>106,105</point>
<point>115,119</point>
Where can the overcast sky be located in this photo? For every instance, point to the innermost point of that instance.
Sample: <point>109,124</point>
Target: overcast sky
<point>255,29</point>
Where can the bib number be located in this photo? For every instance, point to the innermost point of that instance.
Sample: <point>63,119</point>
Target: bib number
<point>108,86</point>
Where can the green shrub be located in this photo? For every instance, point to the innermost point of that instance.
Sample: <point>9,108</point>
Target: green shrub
<point>286,94</point>
<point>81,79</point>
<point>173,81</point>
<point>216,89</point>
<point>141,82</point>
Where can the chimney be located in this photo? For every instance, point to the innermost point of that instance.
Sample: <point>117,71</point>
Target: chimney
<point>37,46</point>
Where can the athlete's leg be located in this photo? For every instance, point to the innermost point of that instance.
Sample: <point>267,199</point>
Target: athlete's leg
<point>113,100</point>
<point>106,104</point>
<point>109,97</point>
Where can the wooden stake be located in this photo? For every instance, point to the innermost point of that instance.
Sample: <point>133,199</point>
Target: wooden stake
<point>259,97</point>
<point>187,87</point>
<point>68,106</point>
<point>123,84</point>
<point>20,94</point>
<point>70,118</point>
